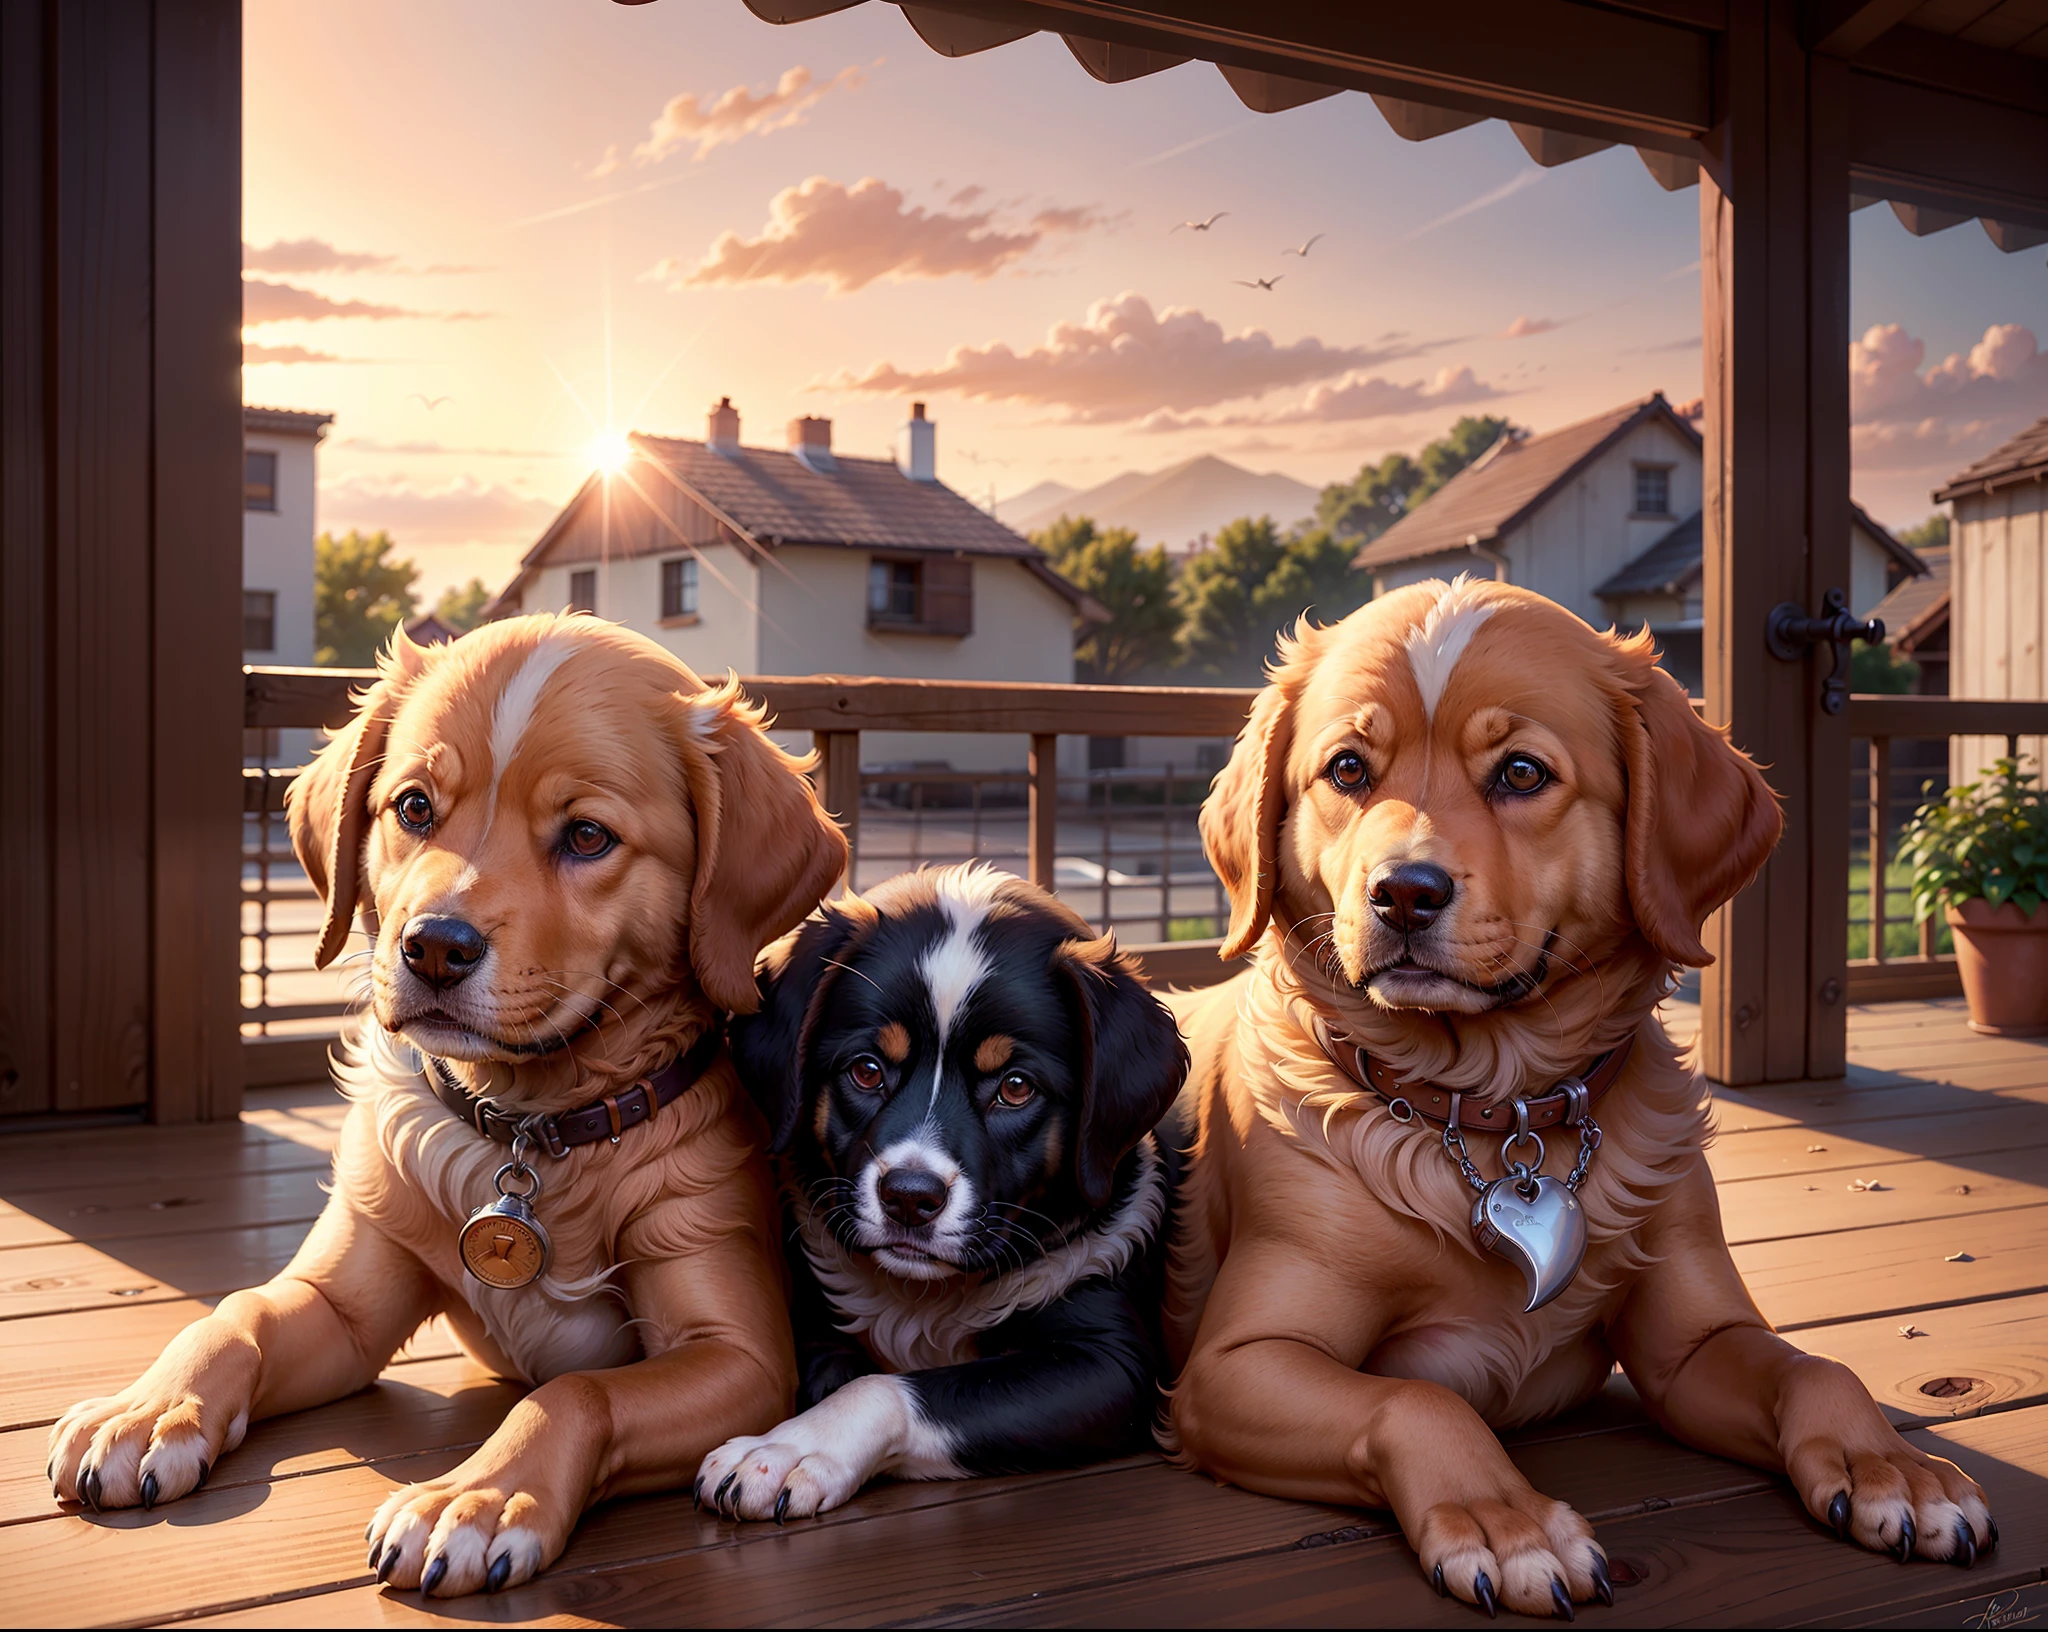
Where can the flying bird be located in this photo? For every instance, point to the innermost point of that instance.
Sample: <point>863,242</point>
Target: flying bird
<point>1258,283</point>
<point>431,402</point>
<point>1305,248</point>
<point>1202,226</point>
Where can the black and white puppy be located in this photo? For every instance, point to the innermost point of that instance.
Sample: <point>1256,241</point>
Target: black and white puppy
<point>964,1080</point>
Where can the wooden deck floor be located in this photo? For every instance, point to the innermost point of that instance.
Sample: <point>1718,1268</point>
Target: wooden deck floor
<point>111,1240</point>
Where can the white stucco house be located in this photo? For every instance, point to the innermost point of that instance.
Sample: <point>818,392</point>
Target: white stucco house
<point>279,453</point>
<point>800,560</point>
<point>1603,517</point>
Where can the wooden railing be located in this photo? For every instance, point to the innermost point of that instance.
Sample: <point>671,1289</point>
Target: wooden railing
<point>836,711</point>
<point>1884,722</point>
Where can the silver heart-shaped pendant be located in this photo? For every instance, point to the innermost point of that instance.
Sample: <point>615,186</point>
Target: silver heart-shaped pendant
<point>1538,1226</point>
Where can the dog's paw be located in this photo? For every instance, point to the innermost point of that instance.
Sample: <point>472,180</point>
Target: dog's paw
<point>1894,1499</point>
<point>464,1533</point>
<point>142,1447</point>
<point>786,1474</point>
<point>1535,1555</point>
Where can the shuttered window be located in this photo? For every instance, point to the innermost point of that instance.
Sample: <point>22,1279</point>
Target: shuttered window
<point>949,596</point>
<point>933,595</point>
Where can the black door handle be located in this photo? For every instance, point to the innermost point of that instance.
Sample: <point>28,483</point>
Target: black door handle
<point>1790,631</point>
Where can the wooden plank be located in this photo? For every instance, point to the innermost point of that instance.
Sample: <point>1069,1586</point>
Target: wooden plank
<point>839,788</point>
<point>1999,1125</point>
<point>99,606</point>
<point>124,1158</point>
<point>196,544</point>
<point>1950,149</point>
<point>94,1212</point>
<point>53,1361</point>
<point>1999,1349</point>
<point>1895,1269</point>
<point>25,658</point>
<point>274,1062</point>
<point>1871,982</point>
<point>431,1405</point>
<point>72,1275</point>
<point>1042,813</point>
<point>1183,964</point>
<point>1943,716</point>
<point>1751,1560</point>
<point>1913,1191</point>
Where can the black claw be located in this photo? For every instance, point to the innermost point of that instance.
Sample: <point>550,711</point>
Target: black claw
<point>89,1488</point>
<point>725,1484</point>
<point>1991,1535</point>
<point>206,1473</point>
<point>1907,1536</point>
<point>1603,1583</point>
<point>782,1505</point>
<point>1561,1601</point>
<point>1442,1591</point>
<point>1482,1589</point>
<point>501,1567</point>
<point>1838,1515</point>
<point>376,1552</point>
<point>697,1496</point>
<point>149,1491</point>
<point>389,1563</point>
<point>436,1568</point>
<point>1965,1555</point>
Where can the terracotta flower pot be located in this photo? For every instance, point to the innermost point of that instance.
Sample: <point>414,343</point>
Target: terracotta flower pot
<point>2002,955</point>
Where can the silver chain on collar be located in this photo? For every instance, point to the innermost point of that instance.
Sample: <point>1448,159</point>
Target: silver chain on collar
<point>1580,1117</point>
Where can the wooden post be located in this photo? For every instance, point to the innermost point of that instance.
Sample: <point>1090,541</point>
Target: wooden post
<point>839,767</point>
<point>1880,810</point>
<point>1774,281</point>
<point>1042,821</point>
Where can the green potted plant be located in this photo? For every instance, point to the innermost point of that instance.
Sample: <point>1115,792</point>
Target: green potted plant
<point>1980,853</point>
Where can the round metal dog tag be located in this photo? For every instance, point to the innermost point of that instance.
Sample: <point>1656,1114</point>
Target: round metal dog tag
<point>503,1244</point>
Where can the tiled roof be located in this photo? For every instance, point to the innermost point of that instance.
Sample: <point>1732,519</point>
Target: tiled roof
<point>1910,610</point>
<point>1668,567</point>
<point>775,498</point>
<point>284,421</point>
<point>1498,489</point>
<point>2026,455</point>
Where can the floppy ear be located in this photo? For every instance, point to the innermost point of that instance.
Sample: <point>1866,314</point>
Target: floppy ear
<point>327,806</point>
<point>770,1045</point>
<point>766,850</point>
<point>1240,819</point>
<point>1133,1060</point>
<point>1701,818</point>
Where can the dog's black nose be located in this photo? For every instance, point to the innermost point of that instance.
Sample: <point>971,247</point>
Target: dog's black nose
<point>911,1195</point>
<point>1408,897</point>
<point>440,949</point>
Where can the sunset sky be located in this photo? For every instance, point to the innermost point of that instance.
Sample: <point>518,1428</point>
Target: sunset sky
<point>482,235</point>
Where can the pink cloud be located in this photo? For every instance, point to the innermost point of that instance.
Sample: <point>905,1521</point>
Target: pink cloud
<point>310,255</point>
<point>462,511</point>
<point>1124,361</point>
<point>686,121</point>
<point>253,355</point>
<point>1525,326</point>
<point>1908,415</point>
<point>1348,400</point>
<point>824,231</point>
<point>267,302</point>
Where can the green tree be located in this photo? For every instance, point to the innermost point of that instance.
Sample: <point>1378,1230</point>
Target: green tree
<point>360,593</point>
<point>1238,594</point>
<point>1134,585</point>
<point>1931,534</point>
<point>461,607</point>
<point>1380,495</point>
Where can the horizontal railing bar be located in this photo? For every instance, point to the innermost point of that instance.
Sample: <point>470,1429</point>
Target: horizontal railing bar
<point>334,1008</point>
<point>1882,716</point>
<point>281,697</point>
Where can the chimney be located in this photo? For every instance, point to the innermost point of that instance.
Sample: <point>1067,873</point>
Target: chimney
<point>723,432</point>
<point>917,451</point>
<point>810,439</point>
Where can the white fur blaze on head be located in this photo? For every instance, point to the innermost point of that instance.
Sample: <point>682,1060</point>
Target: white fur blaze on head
<point>953,968</point>
<point>513,712</point>
<point>1439,640</point>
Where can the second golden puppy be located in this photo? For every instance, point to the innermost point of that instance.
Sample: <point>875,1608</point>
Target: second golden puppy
<point>1448,1169</point>
<point>569,852</point>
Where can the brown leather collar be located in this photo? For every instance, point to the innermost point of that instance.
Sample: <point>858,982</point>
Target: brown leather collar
<point>604,1118</point>
<point>1572,1098</point>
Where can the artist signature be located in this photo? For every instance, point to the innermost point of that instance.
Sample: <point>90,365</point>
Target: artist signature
<point>2004,1611</point>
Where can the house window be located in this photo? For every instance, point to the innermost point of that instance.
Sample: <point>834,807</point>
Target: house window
<point>893,591</point>
<point>679,588</point>
<point>933,595</point>
<point>1653,490</point>
<point>583,590</point>
<point>259,479</point>
<point>259,620</point>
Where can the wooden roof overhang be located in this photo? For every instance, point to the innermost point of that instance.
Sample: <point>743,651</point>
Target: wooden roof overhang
<point>1946,104</point>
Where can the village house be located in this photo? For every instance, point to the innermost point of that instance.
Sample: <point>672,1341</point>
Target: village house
<point>1603,517</point>
<point>802,560</point>
<point>278,480</point>
<point>1998,594</point>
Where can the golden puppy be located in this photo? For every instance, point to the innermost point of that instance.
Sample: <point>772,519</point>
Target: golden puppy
<point>1469,838</point>
<point>569,852</point>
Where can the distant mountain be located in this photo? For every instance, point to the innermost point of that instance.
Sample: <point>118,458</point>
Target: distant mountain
<point>1044,496</point>
<point>1175,506</point>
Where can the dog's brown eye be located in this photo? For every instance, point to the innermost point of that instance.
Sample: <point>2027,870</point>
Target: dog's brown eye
<point>588,839</point>
<point>1015,1089</point>
<point>866,1073</point>
<point>1519,773</point>
<point>415,809</point>
<point>1347,772</point>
